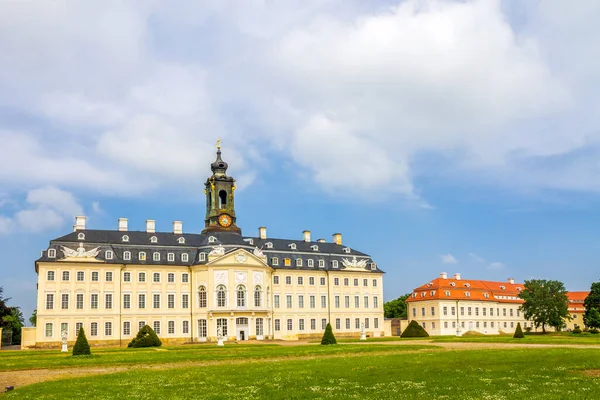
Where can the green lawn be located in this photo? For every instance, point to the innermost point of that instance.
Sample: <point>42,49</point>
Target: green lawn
<point>548,338</point>
<point>549,373</point>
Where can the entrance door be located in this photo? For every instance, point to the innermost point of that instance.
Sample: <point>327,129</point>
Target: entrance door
<point>241,328</point>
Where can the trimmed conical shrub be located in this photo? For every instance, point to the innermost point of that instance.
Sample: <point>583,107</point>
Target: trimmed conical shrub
<point>518,332</point>
<point>146,337</point>
<point>414,330</point>
<point>328,337</point>
<point>82,347</point>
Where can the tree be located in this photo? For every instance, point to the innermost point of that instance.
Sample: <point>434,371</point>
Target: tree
<point>591,316</point>
<point>328,337</point>
<point>146,337</point>
<point>518,332</point>
<point>546,303</point>
<point>4,309</point>
<point>396,308</point>
<point>33,318</point>
<point>14,322</point>
<point>82,347</point>
<point>414,330</point>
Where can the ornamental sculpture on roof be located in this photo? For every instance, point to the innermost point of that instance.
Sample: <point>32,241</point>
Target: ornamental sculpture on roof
<point>80,252</point>
<point>258,252</point>
<point>217,250</point>
<point>362,264</point>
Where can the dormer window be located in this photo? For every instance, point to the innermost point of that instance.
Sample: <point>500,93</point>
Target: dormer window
<point>486,295</point>
<point>429,284</point>
<point>142,256</point>
<point>184,257</point>
<point>52,253</point>
<point>347,250</point>
<point>414,295</point>
<point>467,294</point>
<point>268,245</point>
<point>292,246</point>
<point>314,247</point>
<point>181,240</point>
<point>432,293</point>
<point>321,263</point>
<point>287,262</point>
<point>298,262</point>
<point>373,266</point>
<point>153,239</point>
<point>452,284</point>
<point>503,287</point>
<point>422,294</point>
<point>310,262</point>
<point>108,254</point>
<point>126,255</point>
<point>156,256</point>
<point>274,261</point>
<point>467,285</point>
<point>171,257</point>
<point>249,241</point>
<point>81,236</point>
<point>212,239</point>
<point>334,264</point>
<point>447,293</point>
<point>125,238</point>
<point>519,288</point>
<point>202,257</point>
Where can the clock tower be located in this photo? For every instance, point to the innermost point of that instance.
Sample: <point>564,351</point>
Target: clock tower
<point>219,189</point>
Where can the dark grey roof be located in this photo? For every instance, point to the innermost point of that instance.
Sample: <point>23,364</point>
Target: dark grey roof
<point>194,244</point>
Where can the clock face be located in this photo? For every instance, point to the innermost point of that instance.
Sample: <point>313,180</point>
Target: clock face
<point>225,220</point>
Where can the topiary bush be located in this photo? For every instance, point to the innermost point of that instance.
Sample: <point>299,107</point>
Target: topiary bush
<point>518,332</point>
<point>414,330</point>
<point>82,347</point>
<point>594,331</point>
<point>577,330</point>
<point>328,337</point>
<point>146,337</point>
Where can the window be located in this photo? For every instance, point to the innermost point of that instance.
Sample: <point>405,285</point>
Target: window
<point>414,312</point>
<point>504,312</point>
<point>50,275</point>
<point>355,282</point>
<point>275,280</point>
<point>476,311</point>
<point>126,300</point>
<point>241,296</point>
<point>313,324</point>
<point>336,281</point>
<point>171,257</point>
<point>94,329</point>
<point>445,310</point>
<point>277,325</point>
<point>483,309</point>
<point>142,256</point>
<point>301,324</point>
<point>126,276</point>
<point>312,301</point>
<point>108,328</point>
<point>338,324</point>
<point>156,256</point>
<point>310,262</point>
<point>276,301</point>
<point>156,300</point>
<point>185,300</point>
<point>298,262</point>
<point>323,301</point>
<point>171,327</point>
<point>322,281</point>
<point>202,331</point>
<point>127,255</point>
<point>356,302</point>
<point>422,311</point>
<point>300,301</point>
<point>257,296</point>
<point>221,296</point>
<point>65,275</point>
<point>300,280</point>
<point>94,301</point>
<point>269,245</point>
<point>274,261</point>
<point>108,254</point>
<point>337,301</point>
<point>374,282</point>
<point>81,236</point>
<point>375,302</point>
<point>141,277</point>
<point>49,329</point>
<point>346,282</point>
<point>79,301</point>
<point>78,326</point>
<point>347,301</point>
<point>452,310</point>
<point>311,281</point>
<point>376,323</point>
<point>126,328</point>
<point>321,263</point>
<point>108,276</point>
<point>156,327</point>
<point>171,277</point>
<point>366,323</point>
<point>141,300</point>
<point>156,277</point>
<point>141,324</point>
<point>433,311</point>
<point>181,240</point>
<point>212,239</point>
<point>185,277</point>
<point>287,262</point>
<point>185,327</point>
<point>292,246</point>
<point>49,301</point>
<point>511,312</point>
<point>184,257</point>
<point>80,276</point>
<point>314,247</point>
<point>468,310</point>
<point>288,301</point>
<point>288,280</point>
<point>366,301</point>
<point>64,301</point>
<point>108,301</point>
<point>290,325</point>
<point>153,239</point>
<point>347,323</point>
<point>462,311</point>
<point>95,276</point>
<point>170,301</point>
<point>323,323</point>
<point>334,264</point>
<point>125,238</point>
<point>51,253</point>
<point>365,282</point>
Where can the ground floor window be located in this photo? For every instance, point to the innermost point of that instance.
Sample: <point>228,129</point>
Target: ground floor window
<point>108,328</point>
<point>222,323</point>
<point>202,331</point>
<point>78,326</point>
<point>259,326</point>
<point>357,323</point>
<point>454,324</point>
<point>94,329</point>
<point>126,328</point>
<point>301,324</point>
<point>347,323</point>
<point>171,327</point>
<point>185,328</point>
<point>156,327</point>
<point>367,323</point>
<point>492,324</point>
<point>141,324</point>
<point>445,324</point>
<point>313,324</point>
<point>376,323</point>
<point>323,323</point>
<point>49,329</point>
<point>277,325</point>
<point>64,327</point>
<point>290,325</point>
<point>338,324</point>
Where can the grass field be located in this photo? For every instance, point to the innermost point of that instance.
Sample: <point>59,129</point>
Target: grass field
<point>370,371</point>
<point>548,338</point>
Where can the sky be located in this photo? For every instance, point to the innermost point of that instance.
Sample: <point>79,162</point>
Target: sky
<point>436,136</point>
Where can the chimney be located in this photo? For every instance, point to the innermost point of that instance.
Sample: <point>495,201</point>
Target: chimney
<point>79,223</point>
<point>262,232</point>
<point>177,227</point>
<point>150,226</point>
<point>457,276</point>
<point>321,240</point>
<point>306,235</point>
<point>123,224</point>
<point>511,281</point>
<point>444,275</point>
<point>337,238</point>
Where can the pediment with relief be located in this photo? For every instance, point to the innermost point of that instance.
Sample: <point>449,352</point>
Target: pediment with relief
<point>239,257</point>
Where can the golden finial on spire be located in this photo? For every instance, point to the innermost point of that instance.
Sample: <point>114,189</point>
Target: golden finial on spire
<point>219,144</point>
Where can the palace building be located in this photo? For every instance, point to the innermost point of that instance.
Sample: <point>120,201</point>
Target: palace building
<point>187,286</point>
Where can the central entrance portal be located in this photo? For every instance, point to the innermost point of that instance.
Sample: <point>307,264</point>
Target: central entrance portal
<point>241,328</point>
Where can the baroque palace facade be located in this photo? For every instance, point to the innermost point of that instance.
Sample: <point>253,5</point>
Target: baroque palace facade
<point>453,306</point>
<point>187,286</point>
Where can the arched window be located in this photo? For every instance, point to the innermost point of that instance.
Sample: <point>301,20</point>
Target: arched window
<point>202,297</point>
<point>257,292</point>
<point>221,296</point>
<point>241,296</point>
<point>222,198</point>
<point>81,236</point>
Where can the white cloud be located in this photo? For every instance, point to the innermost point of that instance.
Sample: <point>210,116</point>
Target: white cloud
<point>476,258</point>
<point>496,265</point>
<point>448,259</point>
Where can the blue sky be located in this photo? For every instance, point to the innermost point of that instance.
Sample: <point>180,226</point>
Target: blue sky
<point>455,136</point>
